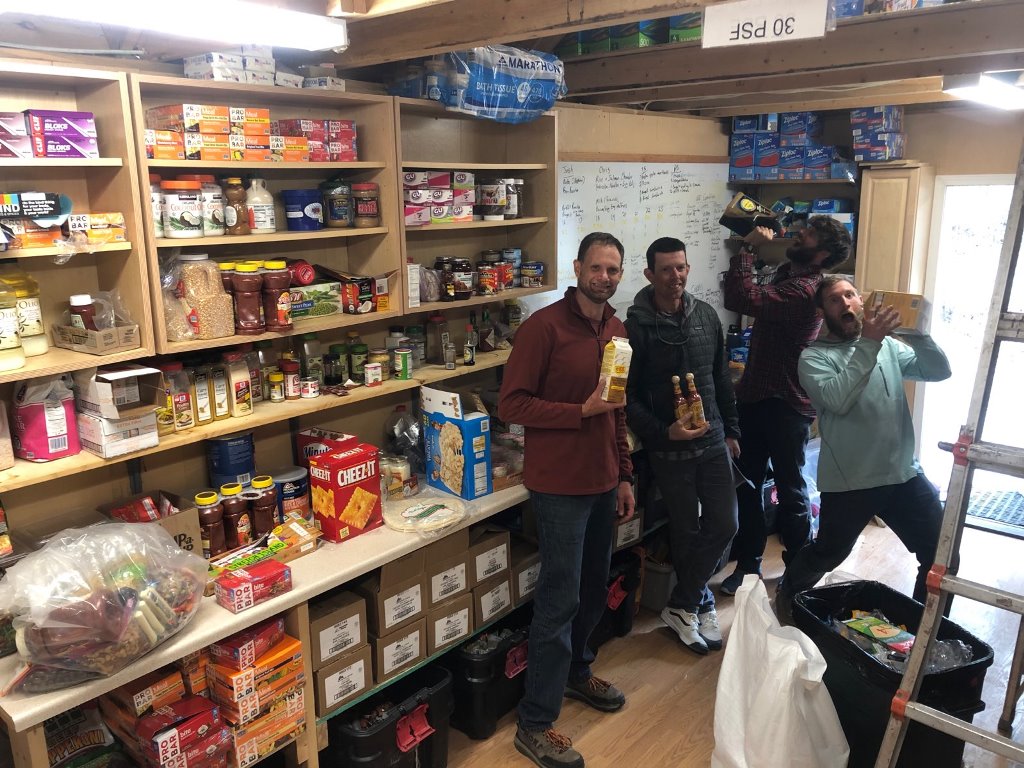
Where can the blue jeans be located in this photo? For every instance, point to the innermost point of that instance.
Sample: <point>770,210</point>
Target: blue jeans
<point>575,534</point>
<point>699,535</point>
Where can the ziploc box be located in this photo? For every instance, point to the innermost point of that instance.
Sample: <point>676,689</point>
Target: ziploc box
<point>798,129</point>
<point>766,149</point>
<point>746,123</point>
<point>818,162</point>
<point>831,205</point>
<point>745,173</point>
<point>791,163</point>
<point>345,488</point>
<point>885,118</point>
<point>190,118</point>
<point>458,445</point>
<point>741,150</point>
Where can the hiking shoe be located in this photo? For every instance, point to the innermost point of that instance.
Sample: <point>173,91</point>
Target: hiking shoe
<point>686,625</point>
<point>548,748</point>
<point>598,693</point>
<point>708,629</point>
<point>732,582</point>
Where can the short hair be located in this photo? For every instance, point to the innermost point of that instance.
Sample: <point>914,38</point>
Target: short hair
<point>664,245</point>
<point>827,281</point>
<point>832,237</point>
<point>600,238</point>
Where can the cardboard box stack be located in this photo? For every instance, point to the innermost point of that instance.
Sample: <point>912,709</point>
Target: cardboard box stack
<point>438,197</point>
<point>450,612</point>
<point>251,64</point>
<point>395,607</point>
<point>784,146</point>
<point>257,678</point>
<point>326,140</point>
<point>159,725</point>
<point>116,408</point>
<point>878,133</point>
<point>340,650</point>
<point>489,565</point>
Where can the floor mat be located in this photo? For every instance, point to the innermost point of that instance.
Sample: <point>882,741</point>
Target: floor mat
<point>1001,511</point>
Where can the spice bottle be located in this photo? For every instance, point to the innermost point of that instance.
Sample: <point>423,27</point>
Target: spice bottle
<point>220,391</point>
<point>202,397</point>
<point>277,298</point>
<point>236,214</point>
<point>239,384</point>
<point>83,313</point>
<point>312,357</point>
<point>357,361</point>
<point>237,521</point>
<point>248,296</point>
<point>252,362</point>
<point>179,391</point>
<point>211,523</point>
<point>264,509</point>
<point>469,351</point>
<point>276,379</point>
<point>267,362</point>
<point>290,369</point>
<point>260,207</point>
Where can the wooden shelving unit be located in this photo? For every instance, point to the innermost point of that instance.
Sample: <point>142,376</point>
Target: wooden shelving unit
<point>105,184</point>
<point>372,252</point>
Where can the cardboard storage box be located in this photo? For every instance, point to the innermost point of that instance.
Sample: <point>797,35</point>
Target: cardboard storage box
<point>630,532</point>
<point>914,309</point>
<point>446,570</point>
<point>183,526</point>
<point>458,445</point>
<point>118,393</point>
<point>449,623</point>
<point>337,625</point>
<point>525,571</point>
<point>105,342</point>
<point>488,554</point>
<point>394,594</point>
<point>398,651</point>
<point>115,437</point>
<point>492,599</point>
<point>343,679</point>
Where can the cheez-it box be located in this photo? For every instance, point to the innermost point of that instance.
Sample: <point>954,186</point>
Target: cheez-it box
<point>345,487</point>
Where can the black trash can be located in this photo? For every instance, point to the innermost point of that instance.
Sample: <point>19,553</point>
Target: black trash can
<point>862,687</point>
<point>487,685</point>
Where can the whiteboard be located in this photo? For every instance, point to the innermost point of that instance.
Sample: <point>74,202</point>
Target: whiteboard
<point>638,203</point>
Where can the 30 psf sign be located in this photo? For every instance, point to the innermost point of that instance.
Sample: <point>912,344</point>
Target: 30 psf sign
<point>749,22</point>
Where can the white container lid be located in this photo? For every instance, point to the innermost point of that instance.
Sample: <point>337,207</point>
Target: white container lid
<point>78,299</point>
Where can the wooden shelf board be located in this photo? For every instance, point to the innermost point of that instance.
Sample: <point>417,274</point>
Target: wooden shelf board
<point>61,162</point>
<point>244,94</point>
<point>244,167</point>
<point>26,473</point>
<point>58,360</point>
<point>29,253</point>
<point>469,225</point>
<point>428,164</point>
<point>278,237</point>
<point>475,301</point>
<point>793,183</point>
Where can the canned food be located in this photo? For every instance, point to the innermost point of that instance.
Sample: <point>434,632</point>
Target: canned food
<point>487,282</point>
<point>309,386</point>
<point>372,374</point>
<point>403,363</point>
<point>504,275</point>
<point>532,274</point>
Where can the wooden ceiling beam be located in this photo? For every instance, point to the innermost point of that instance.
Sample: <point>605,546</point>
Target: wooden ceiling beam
<point>467,23</point>
<point>943,32</point>
<point>782,85</point>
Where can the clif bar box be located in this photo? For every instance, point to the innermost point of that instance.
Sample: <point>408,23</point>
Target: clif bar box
<point>44,122</point>
<point>64,146</point>
<point>13,124</point>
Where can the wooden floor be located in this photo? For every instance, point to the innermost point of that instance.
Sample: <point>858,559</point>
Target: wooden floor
<point>669,716</point>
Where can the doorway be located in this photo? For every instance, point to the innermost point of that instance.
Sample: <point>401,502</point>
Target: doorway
<point>968,225</point>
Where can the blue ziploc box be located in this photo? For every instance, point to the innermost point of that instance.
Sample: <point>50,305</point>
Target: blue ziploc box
<point>766,173</point>
<point>818,162</point>
<point>868,139</point>
<point>768,121</point>
<point>887,118</point>
<point>846,9</point>
<point>766,149</point>
<point>741,150</point>
<point>831,205</point>
<point>745,173</point>
<point>845,170</point>
<point>746,123</point>
<point>799,129</point>
<point>791,163</point>
<point>877,154</point>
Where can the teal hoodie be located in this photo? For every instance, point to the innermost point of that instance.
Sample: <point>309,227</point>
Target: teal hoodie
<point>867,435</point>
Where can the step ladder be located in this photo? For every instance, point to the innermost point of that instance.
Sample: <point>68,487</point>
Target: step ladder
<point>969,454</point>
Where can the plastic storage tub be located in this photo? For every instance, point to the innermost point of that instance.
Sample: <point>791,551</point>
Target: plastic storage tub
<point>623,585</point>
<point>659,581</point>
<point>489,685</point>
<point>411,733</point>
<point>862,687</point>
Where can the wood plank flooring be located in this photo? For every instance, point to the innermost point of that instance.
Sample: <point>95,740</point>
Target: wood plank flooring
<point>668,720</point>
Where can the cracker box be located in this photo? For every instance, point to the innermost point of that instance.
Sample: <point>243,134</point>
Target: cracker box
<point>346,492</point>
<point>458,445</point>
<point>313,442</point>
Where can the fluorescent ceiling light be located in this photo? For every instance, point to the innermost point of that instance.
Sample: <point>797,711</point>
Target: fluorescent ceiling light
<point>984,89</point>
<point>231,22</point>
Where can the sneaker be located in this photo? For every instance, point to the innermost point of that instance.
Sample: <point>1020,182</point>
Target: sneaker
<point>708,629</point>
<point>732,582</point>
<point>598,693</point>
<point>686,626</point>
<point>548,748</point>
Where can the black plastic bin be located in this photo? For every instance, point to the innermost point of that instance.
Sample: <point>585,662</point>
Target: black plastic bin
<point>623,584</point>
<point>412,734</point>
<point>862,687</point>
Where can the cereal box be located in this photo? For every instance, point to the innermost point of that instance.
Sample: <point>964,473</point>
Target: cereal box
<point>346,492</point>
<point>458,445</point>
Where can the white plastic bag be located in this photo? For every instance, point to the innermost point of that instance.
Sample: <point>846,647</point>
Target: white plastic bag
<point>772,709</point>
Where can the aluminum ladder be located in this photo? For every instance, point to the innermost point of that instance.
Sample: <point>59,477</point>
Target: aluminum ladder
<point>969,453</point>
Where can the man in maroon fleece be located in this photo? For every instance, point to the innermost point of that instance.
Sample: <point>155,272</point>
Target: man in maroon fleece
<point>579,475</point>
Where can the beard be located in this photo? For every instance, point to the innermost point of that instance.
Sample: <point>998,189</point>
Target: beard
<point>801,255</point>
<point>596,293</point>
<point>846,327</point>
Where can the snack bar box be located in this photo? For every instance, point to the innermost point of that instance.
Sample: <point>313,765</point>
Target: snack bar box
<point>345,487</point>
<point>458,445</point>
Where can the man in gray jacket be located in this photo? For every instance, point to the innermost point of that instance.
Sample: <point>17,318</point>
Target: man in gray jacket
<point>672,333</point>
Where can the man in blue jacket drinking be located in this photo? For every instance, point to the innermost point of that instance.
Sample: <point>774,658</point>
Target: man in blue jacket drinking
<point>854,377</point>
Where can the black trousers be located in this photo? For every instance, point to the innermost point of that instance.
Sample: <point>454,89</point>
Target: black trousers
<point>911,509</point>
<point>772,429</point>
